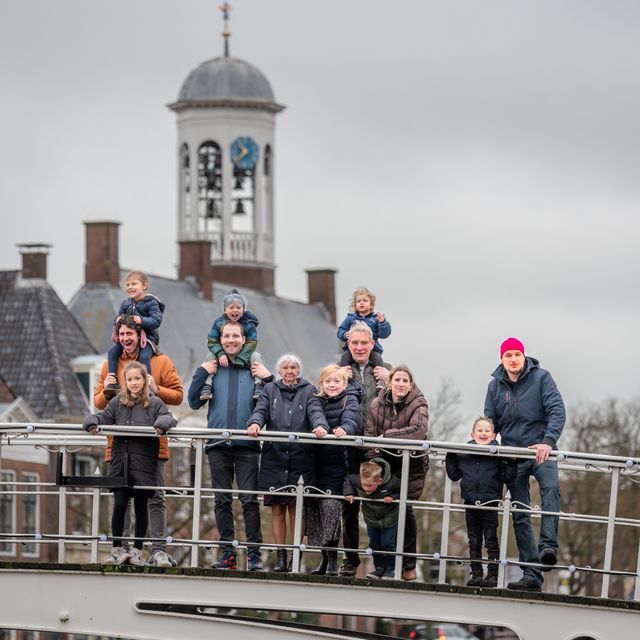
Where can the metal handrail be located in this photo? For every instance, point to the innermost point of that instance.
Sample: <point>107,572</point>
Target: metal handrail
<point>71,437</point>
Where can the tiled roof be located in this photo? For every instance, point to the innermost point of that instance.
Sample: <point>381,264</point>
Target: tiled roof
<point>285,325</point>
<point>38,339</point>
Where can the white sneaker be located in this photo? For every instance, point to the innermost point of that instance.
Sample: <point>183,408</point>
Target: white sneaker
<point>136,559</point>
<point>119,556</point>
<point>160,559</point>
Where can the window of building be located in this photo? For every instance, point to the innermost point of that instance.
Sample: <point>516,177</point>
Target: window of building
<point>31,512</point>
<point>209,186</point>
<point>7,512</point>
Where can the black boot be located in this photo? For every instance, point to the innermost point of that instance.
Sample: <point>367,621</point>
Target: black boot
<point>321,569</point>
<point>282,563</point>
<point>492,576</point>
<point>477,575</point>
<point>332,559</point>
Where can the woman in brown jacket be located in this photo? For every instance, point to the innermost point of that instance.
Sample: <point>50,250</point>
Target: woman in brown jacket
<point>401,411</point>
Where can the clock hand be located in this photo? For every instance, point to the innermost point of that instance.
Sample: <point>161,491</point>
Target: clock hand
<point>242,154</point>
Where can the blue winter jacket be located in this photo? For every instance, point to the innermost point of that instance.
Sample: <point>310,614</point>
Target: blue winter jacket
<point>331,460</point>
<point>249,322</point>
<point>483,477</point>
<point>150,310</point>
<point>379,329</point>
<point>529,411</point>
<point>232,402</point>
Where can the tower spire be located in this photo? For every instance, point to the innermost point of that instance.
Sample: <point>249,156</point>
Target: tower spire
<point>225,8</point>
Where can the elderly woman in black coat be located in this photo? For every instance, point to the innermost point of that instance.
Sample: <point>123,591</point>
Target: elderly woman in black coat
<point>290,404</point>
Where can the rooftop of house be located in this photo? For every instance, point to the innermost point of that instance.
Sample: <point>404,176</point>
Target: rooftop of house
<point>38,340</point>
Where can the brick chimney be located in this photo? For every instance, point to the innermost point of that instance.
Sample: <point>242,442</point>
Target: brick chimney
<point>101,253</point>
<point>195,262</point>
<point>322,288</point>
<point>34,259</point>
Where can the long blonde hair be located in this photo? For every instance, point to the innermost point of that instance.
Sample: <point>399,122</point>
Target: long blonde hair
<point>126,398</point>
<point>326,372</point>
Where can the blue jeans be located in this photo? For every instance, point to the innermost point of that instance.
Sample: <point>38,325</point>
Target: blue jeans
<point>383,539</point>
<point>225,461</point>
<point>547,476</point>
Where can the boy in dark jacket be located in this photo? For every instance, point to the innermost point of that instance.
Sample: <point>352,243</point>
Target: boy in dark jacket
<point>375,481</point>
<point>147,312</point>
<point>483,478</point>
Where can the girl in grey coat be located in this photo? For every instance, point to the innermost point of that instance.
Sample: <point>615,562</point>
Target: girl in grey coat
<point>133,457</point>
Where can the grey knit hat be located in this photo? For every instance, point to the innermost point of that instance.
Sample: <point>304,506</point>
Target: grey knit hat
<point>234,296</point>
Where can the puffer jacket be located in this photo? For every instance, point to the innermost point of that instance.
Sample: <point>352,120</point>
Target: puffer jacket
<point>249,323</point>
<point>482,477</point>
<point>150,310</point>
<point>296,409</point>
<point>331,459</point>
<point>407,419</point>
<point>381,515</point>
<point>142,452</point>
<point>529,411</point>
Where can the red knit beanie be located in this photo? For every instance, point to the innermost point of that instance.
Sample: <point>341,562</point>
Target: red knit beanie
<point>511,344</point>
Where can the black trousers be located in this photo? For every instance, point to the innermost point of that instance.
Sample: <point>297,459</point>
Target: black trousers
<point>482,525</point>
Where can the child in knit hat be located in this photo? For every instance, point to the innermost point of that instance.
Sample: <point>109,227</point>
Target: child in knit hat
<point>235,310</point>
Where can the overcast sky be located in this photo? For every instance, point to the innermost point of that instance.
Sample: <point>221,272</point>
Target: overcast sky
<point>476,164</point>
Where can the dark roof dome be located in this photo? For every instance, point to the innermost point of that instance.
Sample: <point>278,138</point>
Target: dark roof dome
<point>226,78</point>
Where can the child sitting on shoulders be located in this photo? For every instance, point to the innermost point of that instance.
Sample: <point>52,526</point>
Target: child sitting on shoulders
<point>235,310</point>
<point>147,311</point>
<point>375,481</point>
<point>483,479</point>
<point>136,456</point>
<point>362,307</point>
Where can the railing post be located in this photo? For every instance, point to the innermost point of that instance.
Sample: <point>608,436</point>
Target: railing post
<point>62,511</point>
<point>402,513</point>
<point>297,526</point>
<point>95,524</point>
<point>636,593</point>
<point>444,535</point>
<point>504,538</point>
<point>197,500</point>
<point>611,521</point>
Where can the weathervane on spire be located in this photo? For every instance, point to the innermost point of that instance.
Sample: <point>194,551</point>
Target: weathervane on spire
<point>225,8</point>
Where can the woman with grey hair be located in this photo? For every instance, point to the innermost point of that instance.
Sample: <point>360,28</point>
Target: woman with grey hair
<point>288,404</point>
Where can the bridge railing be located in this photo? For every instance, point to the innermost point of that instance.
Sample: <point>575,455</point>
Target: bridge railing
<point>66,438</point>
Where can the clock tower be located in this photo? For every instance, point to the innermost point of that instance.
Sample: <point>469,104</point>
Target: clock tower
<point>225,156</point>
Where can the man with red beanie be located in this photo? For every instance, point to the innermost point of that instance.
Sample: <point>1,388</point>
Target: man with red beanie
<point>527,411</point>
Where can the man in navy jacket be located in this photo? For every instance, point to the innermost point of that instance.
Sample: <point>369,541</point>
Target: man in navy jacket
<point>230,408</point>
<point>527,411</point>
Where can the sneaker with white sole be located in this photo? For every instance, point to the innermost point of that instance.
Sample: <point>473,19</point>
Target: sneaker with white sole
<point>119,556</point>
<point>136,559</point>
<point>160,559</point>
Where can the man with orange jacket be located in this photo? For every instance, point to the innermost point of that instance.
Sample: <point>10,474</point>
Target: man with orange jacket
<point>165,382</point>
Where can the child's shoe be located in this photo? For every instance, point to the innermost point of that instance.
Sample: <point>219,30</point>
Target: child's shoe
<point>118,557</point>
<point>381,385</point>
<point>206,393</point>
<point>111,391</point>
<point>388,573</point>
<point>257,392</point>
<point>378,573</point>
<point>136,559</point>
<point>475,581</point>
<point>160,559</point>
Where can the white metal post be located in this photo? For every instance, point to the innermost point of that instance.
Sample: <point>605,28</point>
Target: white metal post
<point>62,510</point>
<point>197,499</point>
<point>95,523</point>
<point>611,520</point>
<point>402,513</point>
<point>444,535</point>
<point>504,538</point>
<point>297,526</point>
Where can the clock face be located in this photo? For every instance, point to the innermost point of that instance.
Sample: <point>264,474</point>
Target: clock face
<point>244,153</point>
